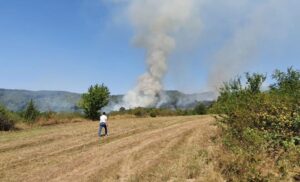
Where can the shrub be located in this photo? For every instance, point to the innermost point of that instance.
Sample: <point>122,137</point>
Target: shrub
<point>153,114</point>
<point>200,109</point>
<point>139,112</point>
<point>7,121</point>
<point>259,124</point>
<point>122,109</point>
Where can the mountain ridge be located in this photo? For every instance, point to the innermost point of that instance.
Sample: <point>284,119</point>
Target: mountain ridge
<point>65,101</point>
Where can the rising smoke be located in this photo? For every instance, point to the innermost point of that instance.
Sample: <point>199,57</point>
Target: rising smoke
<point>267,20</point>
<point>156,23</point>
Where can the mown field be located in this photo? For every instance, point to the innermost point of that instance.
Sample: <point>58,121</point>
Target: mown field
<point>148,149</point>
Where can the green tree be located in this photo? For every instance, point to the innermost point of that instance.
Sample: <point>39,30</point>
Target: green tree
<point>288,85</point>
<point>200,109</point>
<point>31,112</point>
<point>287,82</point>
<point>231,87</point>
<point>93,101</point>
<point>254,82</point>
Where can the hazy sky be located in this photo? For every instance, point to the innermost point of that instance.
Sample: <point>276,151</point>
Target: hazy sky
<point>71,44</point>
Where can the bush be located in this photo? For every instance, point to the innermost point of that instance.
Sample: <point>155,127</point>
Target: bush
<point>153,114</point>
<point>7,121</point>
<point>200,109</point>
<point>122,110</point>
<point>139,112</point>
<point>259,124</point>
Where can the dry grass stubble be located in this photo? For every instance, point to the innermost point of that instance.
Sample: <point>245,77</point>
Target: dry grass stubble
<point>149,149</point>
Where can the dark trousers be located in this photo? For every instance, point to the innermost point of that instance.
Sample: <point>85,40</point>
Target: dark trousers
<point>102,125</point>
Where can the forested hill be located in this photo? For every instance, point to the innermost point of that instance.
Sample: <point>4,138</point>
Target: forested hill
<point>58,101</point>
<point>61,101</point>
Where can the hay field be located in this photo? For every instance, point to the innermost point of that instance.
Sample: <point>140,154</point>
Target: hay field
<point>147,149</point>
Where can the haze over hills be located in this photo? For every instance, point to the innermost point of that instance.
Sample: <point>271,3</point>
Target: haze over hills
<point>61,101</point>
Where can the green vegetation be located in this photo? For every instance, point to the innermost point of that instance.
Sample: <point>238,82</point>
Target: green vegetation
<point>58,101</point>
<point>144,112</point>
<point>93,101</point>
<point>32,117</point>
<point>261,129</point>
<point>200,109</point>
<point>31,113</point>
<point>7,119</point>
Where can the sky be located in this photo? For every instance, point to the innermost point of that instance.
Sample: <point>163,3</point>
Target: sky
<point>71,44</point>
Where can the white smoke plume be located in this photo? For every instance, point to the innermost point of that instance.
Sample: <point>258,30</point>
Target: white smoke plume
<point>159,24</point>
<point>156,23</point>
<point>268,20</point>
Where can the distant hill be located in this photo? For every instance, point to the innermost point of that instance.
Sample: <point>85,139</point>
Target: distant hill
<point>61,101</point>
<point>173,99</point>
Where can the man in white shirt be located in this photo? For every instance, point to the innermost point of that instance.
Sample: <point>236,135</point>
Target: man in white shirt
<point>103,124</point>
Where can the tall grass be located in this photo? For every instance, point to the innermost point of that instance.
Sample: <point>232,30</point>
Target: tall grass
<point>51,118</point>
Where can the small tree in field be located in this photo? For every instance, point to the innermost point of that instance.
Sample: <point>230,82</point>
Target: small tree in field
<point>200,109</point>
<point>93,101</point>
<point>31,112</point>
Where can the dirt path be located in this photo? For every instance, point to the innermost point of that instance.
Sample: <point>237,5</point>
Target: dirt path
<point>158,149</point>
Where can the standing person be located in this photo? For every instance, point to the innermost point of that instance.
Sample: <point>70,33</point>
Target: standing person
<point>103,124</point>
